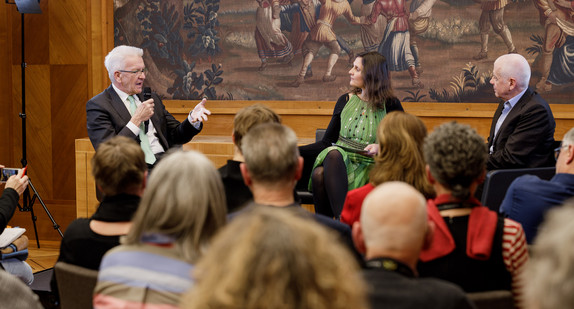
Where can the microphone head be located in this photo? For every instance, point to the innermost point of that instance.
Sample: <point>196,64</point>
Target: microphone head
<point>146,93</point>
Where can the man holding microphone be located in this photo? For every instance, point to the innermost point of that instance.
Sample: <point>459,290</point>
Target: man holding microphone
<point>122,109</point>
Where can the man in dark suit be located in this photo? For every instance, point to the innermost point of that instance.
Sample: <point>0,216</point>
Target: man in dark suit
<point>121,109</point>
<point>392,231</point>
<point>522,130</point>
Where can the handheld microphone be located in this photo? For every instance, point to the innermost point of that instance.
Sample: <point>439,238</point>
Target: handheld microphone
<point>146,93</point>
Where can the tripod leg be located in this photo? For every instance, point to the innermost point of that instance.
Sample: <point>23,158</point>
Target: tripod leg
<point>34,218</point>
<point>36,195</point>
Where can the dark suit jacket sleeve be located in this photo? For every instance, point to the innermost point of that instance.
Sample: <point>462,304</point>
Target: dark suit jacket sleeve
<point>8,203</point>
<point>103,122</point>
<point>175,133</point>
<point>526,136</point>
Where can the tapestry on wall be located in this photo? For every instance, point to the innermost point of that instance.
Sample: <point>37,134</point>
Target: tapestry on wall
<point>438,50</point>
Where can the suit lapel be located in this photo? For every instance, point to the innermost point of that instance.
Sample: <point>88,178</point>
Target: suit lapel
<point>514,112</point>
<point>119,106</point>
<point>493,124</point>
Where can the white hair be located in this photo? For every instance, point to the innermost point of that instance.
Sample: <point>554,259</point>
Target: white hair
<point>568,138</point>
<point>116,58</point>
<point>549,275</point>
<point>514,66</point>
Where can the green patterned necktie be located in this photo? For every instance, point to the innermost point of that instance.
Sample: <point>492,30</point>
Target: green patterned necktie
<point>149,156</point>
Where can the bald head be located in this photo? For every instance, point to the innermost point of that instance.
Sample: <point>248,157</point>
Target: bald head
<point>514,66</point>
<point>394,221</point>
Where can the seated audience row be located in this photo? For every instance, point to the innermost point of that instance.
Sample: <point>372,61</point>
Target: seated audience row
<point>180,211</point>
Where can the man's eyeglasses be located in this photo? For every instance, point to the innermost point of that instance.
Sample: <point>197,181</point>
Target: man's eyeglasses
<point>557,151</point>
<point>138,72</point>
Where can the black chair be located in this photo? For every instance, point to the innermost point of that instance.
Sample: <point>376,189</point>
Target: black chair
<point>492,299</point>
<point>75,285</point>
<point>497,182</point>
<point>306,197</point>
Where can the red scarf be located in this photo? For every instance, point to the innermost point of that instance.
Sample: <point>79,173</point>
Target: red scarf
<point>479,237</point>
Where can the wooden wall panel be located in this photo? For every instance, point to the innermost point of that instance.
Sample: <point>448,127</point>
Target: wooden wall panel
<point>6,111</point>
<point>39,126</point>
<point>36,36</point>
<point>69,94</point>
<point>68,31</point>
<point>100,41</point>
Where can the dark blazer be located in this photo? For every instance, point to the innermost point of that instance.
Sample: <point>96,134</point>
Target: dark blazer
<point>526,136</point>
<point>107,116</point>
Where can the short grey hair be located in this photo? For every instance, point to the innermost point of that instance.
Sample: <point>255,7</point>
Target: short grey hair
<point>271,153</point>
<point>116,58</point>
<point>184,200</point>
<point>549,275</point>
<point>456,156</point>
<point>514,66</point>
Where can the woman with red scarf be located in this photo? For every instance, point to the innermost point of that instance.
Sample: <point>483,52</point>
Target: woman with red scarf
<point>472,246</point>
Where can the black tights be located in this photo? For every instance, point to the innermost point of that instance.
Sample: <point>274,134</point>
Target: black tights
<point>330,185</point>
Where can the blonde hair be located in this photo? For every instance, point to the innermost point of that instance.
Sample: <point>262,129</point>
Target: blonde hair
<point>184,200</point>
<point>401,137</point>
<point>274,258</point>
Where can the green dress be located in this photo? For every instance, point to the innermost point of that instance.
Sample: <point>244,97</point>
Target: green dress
<point>359,124</point>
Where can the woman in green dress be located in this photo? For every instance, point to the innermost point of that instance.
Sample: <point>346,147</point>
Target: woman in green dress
<point>345,154</point>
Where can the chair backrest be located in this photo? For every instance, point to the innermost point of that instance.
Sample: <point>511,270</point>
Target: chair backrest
<point>305,196</point>
<point>75,285</point>
<point>492,299</point>
<point>497,182</point>
<point>319,133</point>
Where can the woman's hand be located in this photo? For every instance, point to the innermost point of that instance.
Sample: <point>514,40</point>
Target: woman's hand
<point>372,149</point>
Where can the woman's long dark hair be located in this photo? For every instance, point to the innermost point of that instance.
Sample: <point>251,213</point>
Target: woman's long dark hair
<point>377,79</point>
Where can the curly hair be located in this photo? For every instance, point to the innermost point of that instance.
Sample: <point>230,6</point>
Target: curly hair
<point>456,156</point>
<point>549,275</point>
<point>400,157</point>
<point>377,79</point>
<point>276,258</point>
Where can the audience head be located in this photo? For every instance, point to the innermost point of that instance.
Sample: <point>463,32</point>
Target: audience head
<point>184,201</point>
<point>510,76</point>
<point>250,116</point>
<point>549,275</point>
<point>401,138</point>
<point>271,154</point>
<point>268,258</point>
<point>565,159</point>
<point>119,166</point>
<point>456,157</point>
<point>126,58</point>
<point>376,78</point>
<point>393,223</point>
